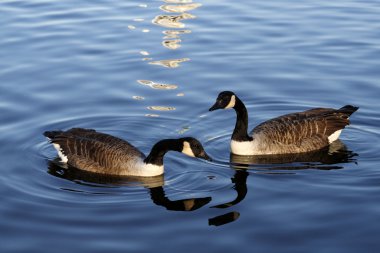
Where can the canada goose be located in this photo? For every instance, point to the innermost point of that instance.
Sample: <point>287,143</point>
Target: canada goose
<point>101,153</point>
<point>291,133</point>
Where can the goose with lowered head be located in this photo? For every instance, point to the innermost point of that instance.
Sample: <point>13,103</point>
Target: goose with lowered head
<point>89,150</point>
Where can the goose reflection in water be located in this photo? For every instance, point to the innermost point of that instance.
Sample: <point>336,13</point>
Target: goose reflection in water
<point>332,157</point>
<point>153,184</point>
<point>325,159</point>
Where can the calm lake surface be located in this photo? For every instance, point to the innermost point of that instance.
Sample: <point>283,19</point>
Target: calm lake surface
<point>149,70</point>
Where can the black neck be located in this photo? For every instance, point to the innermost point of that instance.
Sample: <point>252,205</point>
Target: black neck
<point>241,127</point>
<point>156,155</point>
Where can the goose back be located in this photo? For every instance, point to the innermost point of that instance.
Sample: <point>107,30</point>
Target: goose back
<point>301,131</point>
<point>96,152</point>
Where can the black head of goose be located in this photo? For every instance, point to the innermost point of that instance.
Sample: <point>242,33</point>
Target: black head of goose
<point>97,152</point>
<point>291,133</point>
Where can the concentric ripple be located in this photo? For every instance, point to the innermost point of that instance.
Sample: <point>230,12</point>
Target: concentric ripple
<point>64,184</point>
<point>200,180</point>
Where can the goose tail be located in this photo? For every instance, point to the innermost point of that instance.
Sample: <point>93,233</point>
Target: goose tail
<point>52,134</point>
<point>348,109</point>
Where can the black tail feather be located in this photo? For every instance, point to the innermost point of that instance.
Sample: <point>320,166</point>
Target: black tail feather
<point>52,134</point>
<point>348,109</point>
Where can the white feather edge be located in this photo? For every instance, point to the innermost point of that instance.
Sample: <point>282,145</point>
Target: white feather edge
<point>64,158</point>
<point>143,169</point>
<point>334,136</point>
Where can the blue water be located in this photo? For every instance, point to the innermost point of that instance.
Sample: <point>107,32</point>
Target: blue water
<point>118,67</point>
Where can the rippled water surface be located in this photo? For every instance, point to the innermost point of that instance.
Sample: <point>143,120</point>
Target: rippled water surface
<point>145,71</point>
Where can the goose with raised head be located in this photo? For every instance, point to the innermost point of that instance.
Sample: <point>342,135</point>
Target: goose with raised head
<point>291,133</point>
<point>97,152</point>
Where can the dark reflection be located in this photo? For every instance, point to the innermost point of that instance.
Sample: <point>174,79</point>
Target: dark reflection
<point>153,184</point>
<point>240,186</point>
<point>324,159</point>
<point>157,194</point>
<point>223,219</point>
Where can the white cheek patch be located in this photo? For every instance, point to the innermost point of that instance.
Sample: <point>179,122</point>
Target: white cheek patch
<point>232,102</point>
<point>60,153</point>
<point>187,149</point>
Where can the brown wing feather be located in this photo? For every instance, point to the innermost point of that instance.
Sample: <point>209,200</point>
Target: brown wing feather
<point>296,128</point>
<point>94,151</point>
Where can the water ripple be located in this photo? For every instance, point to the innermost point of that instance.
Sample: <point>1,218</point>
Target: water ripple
<point>199,180</point>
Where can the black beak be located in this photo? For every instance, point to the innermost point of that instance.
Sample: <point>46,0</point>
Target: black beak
<point>216,106</point>
<point>205,156</point>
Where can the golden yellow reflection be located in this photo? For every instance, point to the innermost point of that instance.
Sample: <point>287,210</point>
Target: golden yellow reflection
<point>172,44</point>
<point>173,63</point>
<point>172,21</point>
<point>174,34</point>
<point>161,108</point>
<point>172,39</point>
<point>160,86</point>
<point>169,21</point>
<point>187,16</point>
<point>180,8</point>
<point>178,1</point>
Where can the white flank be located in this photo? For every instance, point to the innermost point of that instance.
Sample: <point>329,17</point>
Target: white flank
<point>334,136</point>
<point>60,153</point>
<point>187,149</point>
<point>243,147</point>
<point>147,170</point>
<point>232,102</point>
